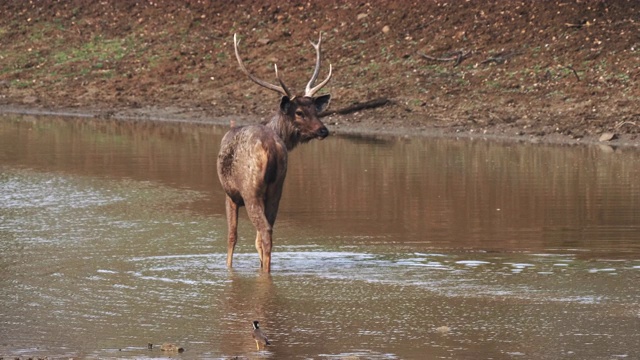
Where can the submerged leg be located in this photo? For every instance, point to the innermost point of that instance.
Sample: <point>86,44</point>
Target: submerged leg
<point>272,202</point>
<point>266,250</point>
<point>259,246</point>
<point>255,210</point>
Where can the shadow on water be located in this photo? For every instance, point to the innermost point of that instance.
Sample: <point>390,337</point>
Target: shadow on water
<point>112,236</point>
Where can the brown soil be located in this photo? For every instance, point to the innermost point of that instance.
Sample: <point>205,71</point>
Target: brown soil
<point>565,70</point>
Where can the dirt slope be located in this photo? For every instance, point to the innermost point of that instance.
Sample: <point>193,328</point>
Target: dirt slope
<point>566,69</point>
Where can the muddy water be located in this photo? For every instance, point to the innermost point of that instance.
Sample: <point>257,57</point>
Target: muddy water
<point>112,237</point>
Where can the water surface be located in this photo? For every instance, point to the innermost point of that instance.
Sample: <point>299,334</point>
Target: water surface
<point>112,236</point>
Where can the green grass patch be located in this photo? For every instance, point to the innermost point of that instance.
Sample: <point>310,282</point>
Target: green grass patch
<point>20,84</point>
<point>98,51</point>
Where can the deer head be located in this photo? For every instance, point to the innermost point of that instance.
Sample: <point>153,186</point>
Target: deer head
<point>299,113</point>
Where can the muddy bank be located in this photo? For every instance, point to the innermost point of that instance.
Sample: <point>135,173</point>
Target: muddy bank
<point>561,72</point>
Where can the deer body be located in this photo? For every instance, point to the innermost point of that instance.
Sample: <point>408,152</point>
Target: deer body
<point>252,162</point>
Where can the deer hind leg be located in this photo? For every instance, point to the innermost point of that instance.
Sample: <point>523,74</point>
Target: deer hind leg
<point>272,202</point>
<point>232,228</point>
<point>265,257</point>
<point>255,209</point>
<point>259,246</point>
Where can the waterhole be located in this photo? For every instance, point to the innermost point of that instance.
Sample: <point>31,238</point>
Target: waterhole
<point>112,236</point>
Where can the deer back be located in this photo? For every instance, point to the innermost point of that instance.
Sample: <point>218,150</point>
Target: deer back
<point>250,159</point>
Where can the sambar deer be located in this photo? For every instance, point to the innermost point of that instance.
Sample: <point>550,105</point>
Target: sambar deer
<point>252,162</point>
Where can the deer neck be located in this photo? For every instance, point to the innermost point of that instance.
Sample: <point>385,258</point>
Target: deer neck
<point>285,130</point>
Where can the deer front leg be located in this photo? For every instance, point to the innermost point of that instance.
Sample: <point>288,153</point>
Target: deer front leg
<point>232,228</point>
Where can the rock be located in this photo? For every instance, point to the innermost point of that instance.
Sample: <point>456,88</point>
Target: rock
<point>171,348</point>
<point>443,329</point>
<point>607,136</point>
<point>29,100</point>
<point>386,29</point>
<point>361,16</point>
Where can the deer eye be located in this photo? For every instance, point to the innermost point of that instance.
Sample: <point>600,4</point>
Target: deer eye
<point>299,113</point>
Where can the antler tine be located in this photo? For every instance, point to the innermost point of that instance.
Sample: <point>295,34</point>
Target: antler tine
<point>316,71</point>
<point>284,87</point>
<point>281,89</point>
<point>311,92</point>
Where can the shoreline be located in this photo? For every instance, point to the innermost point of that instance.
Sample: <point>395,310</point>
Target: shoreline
<point>199,117</point>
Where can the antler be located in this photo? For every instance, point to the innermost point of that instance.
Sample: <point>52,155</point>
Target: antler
<point>309,91</point>
<point>316,71</point>
<point>282,89</point>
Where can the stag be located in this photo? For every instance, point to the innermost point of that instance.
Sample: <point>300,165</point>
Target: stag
<point>252,162</point>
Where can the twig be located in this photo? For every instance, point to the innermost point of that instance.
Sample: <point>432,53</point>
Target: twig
<point>578,25</point>
<point>574,72</point>
<point>495,59</point>
<point>500,58</point>
<point>458,57</point>
<point>622,123</point>
<point>357,107</point>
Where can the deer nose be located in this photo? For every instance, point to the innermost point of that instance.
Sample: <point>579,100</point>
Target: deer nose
<point>322,132</point>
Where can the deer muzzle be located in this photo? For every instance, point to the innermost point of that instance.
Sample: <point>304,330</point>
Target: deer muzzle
<point>322,133</point>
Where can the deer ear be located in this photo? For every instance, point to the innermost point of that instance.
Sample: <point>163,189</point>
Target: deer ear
<point>322,102</point>
<point>285,104</point>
